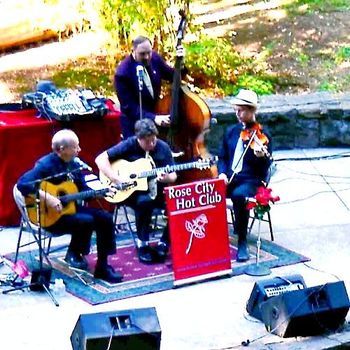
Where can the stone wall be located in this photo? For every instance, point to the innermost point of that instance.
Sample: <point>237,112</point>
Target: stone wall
<point>298,121</point>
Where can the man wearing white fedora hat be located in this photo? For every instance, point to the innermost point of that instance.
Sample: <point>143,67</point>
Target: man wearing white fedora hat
<point>244,161</point>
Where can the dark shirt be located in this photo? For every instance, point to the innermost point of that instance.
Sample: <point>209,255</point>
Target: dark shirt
<point>127,88</point>
<point>130,150</point>
<point>254,168</point>
<point>46,168</point>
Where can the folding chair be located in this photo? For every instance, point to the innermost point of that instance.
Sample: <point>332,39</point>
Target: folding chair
<point>123,215</point>
<point>27,226</point>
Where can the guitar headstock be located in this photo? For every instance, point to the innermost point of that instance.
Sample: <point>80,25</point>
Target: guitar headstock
<point>206,163</point>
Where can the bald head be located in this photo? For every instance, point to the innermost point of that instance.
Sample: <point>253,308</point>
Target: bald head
<point>63,138</point>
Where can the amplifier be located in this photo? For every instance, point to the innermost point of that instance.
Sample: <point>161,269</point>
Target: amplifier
<point>266,289</point>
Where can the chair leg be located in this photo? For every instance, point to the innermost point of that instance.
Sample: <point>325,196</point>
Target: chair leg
<point>270,226</point>
<point>251,224</point>
<point>232,217</point>
<point>19,240</point>
<point>133,233</point>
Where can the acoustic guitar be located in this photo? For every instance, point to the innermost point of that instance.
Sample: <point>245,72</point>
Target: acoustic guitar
<point>68,194</point>
<point>138,172</point>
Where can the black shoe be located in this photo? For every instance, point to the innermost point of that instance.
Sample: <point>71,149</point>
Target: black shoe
<point>242,252</point>
<point>76,260</point>
<point>145,255</point>
<point>161,251</point>
<point>108,274</point>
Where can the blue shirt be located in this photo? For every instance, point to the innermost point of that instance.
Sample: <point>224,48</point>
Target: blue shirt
<point>53,169</point>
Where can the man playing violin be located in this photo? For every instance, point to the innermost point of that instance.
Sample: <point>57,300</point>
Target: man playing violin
<point>141,74</point>
<point>143,145</point>
<point>244,162</point>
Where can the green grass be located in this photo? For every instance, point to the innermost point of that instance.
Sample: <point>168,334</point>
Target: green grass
<point>310,6</point>
<point>342,54</point>
<point>95,74</point>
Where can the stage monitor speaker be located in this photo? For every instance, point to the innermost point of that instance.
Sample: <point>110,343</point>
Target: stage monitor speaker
<point>265,289</point>
<point>122,330</point>
<point>307,312</point>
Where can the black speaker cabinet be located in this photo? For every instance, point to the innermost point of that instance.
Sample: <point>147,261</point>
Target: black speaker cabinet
<point>307,312</point>
<point>265,289</point>
<point>125,330</point>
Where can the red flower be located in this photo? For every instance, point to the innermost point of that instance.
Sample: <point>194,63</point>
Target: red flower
<point>261,202</point>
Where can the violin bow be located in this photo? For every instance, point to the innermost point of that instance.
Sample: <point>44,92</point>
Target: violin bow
<point>242,155</point>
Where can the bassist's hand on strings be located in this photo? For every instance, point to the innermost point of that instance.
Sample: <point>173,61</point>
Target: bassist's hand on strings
<point>162,119</point>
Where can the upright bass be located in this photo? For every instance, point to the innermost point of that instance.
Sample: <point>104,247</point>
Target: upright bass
<point>189,120</point>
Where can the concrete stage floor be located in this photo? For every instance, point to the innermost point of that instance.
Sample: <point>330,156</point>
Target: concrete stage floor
<point>312,218</point>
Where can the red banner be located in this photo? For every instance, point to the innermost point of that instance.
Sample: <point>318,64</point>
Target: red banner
<point>198,230</point>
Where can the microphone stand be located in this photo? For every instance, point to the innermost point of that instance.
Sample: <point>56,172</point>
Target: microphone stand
<point>41,277</point>
<point>139,69</point>
<point>140,100</point>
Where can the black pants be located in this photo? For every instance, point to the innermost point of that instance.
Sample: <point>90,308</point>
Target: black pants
<point>239,191</point>
<point>143,206</point>
<point>81,226</point>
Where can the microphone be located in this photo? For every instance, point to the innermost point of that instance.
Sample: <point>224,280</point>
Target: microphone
<point>139,73</point>
<point>83,165</point>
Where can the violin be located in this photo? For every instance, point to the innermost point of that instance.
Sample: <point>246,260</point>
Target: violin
<point>256,138</point>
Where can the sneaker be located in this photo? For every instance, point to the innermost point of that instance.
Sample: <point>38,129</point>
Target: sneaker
<point>76,260</point>
<point>108,274</point>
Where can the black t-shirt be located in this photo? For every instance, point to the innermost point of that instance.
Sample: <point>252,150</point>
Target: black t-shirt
<point>130,150</point>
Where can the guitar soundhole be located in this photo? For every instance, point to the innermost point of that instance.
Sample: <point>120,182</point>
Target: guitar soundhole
<point>62,194</point>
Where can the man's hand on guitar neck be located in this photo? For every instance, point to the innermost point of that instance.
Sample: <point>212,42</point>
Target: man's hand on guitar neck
<point>166,177</point>
<point>51,200</point>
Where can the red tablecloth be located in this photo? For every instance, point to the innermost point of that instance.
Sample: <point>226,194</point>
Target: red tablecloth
<point>24,138</point>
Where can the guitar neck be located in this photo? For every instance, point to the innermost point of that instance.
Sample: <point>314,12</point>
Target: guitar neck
<point>168,169</point>
<point>82,195</point>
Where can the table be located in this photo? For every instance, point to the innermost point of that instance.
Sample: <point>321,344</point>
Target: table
<point>24,138</point>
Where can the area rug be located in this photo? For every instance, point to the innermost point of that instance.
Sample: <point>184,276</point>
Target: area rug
<point>142,279</point>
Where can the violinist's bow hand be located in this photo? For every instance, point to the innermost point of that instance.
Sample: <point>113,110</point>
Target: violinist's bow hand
<point>223,177</point>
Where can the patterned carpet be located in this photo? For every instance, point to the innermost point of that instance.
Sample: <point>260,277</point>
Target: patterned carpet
<point>142,279</point>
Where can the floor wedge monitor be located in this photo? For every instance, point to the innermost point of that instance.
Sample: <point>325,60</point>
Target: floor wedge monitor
<point>122,330</point>
<point>306,312</point>
<point>266,289</point>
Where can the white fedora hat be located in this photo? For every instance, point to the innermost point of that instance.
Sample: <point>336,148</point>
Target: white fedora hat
<point>246,97</point>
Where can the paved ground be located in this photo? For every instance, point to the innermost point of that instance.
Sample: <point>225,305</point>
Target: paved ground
<point>313,219</point>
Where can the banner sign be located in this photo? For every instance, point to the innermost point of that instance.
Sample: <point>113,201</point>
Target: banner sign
<point>198,230</point>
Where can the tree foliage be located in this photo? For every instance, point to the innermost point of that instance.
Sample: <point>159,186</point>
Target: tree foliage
<point>125,19</point>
